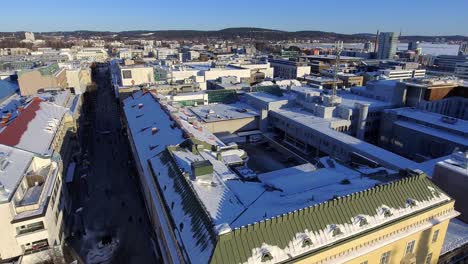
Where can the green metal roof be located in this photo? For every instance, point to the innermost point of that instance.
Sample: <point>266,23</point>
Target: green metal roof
<point>271,89</point>
<point>222,96</point>
<point>46,70</point>
<point>201,225</point>
<point>236,246</point>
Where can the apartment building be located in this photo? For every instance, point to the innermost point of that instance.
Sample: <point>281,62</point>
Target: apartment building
<point>400,74</point>
<point>461,70</point>
<point>92,55</point>
<point>136,74</point>
<point>78,78</point>
<point>287,69</point>
<point>50,77</point>
<point>32,205</point>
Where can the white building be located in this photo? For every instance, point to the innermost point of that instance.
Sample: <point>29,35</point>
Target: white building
<point>390,74</point>
<point>286,69</point>
<point>201,72</point>
<point>138,74</point>
<point>29,36</point>
<point>461,70</point>
<point>78,78</point>
<point>125,54</point>
<point>31,204</point>
<point>162,53</point>
<point>92,55</point>
<point>387,45</point>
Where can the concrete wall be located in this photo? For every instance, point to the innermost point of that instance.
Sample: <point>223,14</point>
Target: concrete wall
<point>455,184</point>
<point>412,143</point>
<point>233,125</point>
<point>8,246</point>
<point>10,242</point>
<point>215,74</point>
<point>31,82</point>
<point>139,75</point>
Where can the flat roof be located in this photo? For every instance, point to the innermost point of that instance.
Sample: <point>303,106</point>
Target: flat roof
<point>432,118</point>
<point>445,135</point>
<point>266,97</point>
<point>331,57</point>
<point>222,112</point>
<point>322,126</point>
<point>14,163</point>
<point>348,99</point>
<point>250,202</point>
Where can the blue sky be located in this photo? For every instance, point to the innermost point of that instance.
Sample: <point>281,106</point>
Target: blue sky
<point>428,17</point>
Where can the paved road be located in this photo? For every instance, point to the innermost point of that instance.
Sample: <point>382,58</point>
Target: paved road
<point>112,203</point>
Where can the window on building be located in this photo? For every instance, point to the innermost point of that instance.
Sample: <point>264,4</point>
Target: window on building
<point>307,242</point>
<point>410,247</point>
<point>266,256</point>
<point>428,258</point>
<point>127,74</point>
<point>435,236</point>
<point>24,229</point>
<point>36,246</point>
<point>385,258</point>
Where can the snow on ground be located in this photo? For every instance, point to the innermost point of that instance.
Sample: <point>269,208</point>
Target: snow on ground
<point>457,236</point>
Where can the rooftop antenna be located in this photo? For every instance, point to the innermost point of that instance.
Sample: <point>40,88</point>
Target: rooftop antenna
<point>376,44</point>
<point>338,49</point>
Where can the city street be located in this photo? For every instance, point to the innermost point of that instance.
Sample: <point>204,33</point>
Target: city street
<point>109,204</point>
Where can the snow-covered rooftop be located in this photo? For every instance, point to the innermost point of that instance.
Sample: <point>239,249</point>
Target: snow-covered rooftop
<point>322,126</point>
<point>214,204</point>
<point>232,201</point>
<point>13,164</point>
<point>456,236</point>
<point>222,112</point>
<point>35,127</point>
<point>266,97</point>
<point>434,119</point>
<point>347,99</point>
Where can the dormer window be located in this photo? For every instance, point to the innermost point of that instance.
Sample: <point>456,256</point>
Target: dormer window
<point>266,255</point>
<point>386,212</point>
<point>411,202</point>
<point>306,242</point>
<point>335,230</point>
<point>361,220</point>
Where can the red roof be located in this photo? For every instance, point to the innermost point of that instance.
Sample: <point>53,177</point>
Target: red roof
<point>12,134</point>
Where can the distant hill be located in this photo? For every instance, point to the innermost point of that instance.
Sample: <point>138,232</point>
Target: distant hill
<point>232,33</point>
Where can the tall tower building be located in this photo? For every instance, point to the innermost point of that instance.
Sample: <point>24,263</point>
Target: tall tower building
<point>463,50</point>
<point>413,45</point>
<point>29,36</point>
<point>387,46</point>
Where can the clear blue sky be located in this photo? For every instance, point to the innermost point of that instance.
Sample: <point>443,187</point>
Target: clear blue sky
<point>442,17</point>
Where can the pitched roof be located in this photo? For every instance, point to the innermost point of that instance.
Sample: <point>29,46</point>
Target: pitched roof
<point>243,243</point>
<point>35,127</point>
<point>11,135</point>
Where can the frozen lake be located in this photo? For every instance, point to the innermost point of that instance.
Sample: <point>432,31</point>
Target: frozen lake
<point>427,48</point>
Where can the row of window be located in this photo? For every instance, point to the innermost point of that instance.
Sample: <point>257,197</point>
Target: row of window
<point>24,229</point>
<point>385,258</point>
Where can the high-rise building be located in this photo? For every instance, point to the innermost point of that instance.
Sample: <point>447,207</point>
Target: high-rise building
<point>413,45</point>
<point>368,46</point>
<point>387,46</point>
<point>463,50</point>
<point>29,36</point>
